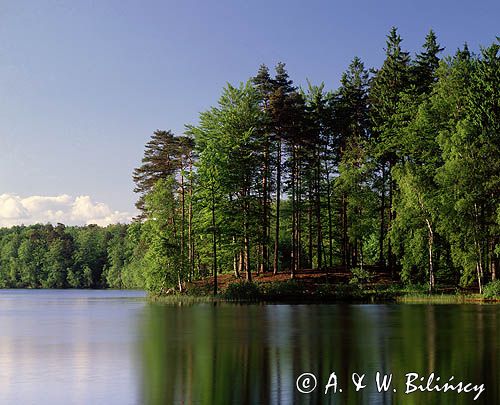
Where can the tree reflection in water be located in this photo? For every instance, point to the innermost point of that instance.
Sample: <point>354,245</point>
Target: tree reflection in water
<point>252,354</point>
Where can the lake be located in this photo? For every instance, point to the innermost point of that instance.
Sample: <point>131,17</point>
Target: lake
<point>113,347</point>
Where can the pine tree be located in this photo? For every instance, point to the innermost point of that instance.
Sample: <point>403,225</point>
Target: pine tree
<point>318,119</point>
<point>280,108</point>
<point>264,85</point>
<point>162,158</point>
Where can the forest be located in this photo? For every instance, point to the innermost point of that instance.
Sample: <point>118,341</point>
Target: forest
<point>398,169</point>
<point>47,256</point>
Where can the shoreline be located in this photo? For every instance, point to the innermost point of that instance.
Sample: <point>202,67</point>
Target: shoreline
<point>407,299</point>
<point>319,288</point>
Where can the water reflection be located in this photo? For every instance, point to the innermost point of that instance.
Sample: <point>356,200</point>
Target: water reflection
<point>111,347</point>
<point>69,347</point>
<point>248,354</point>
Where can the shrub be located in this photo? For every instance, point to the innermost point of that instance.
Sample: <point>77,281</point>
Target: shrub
<point>348,291</point>
<point>492,289</point>
<point>360,276</point>
<point>283,289</point>
<point>242,290</point>
<point>326,290</point>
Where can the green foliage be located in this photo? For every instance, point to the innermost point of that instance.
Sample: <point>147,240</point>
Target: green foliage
<point>165,154</point>
<point>360,276</point>
<point>341,291</point>
<point>289,289</point>
<point>469,177</point>
<point>397,168</point>
<point>228,168</point>
<point>492,290</point>
<point>161,233</point>
<point>44,256</point>
<point>242,290</point>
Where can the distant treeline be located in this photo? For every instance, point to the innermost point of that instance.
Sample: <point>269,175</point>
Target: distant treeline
<point>46,256</point>
<point>399,167</point>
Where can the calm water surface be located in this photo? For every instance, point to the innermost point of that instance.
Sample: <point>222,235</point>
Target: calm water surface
<point>112,347</point>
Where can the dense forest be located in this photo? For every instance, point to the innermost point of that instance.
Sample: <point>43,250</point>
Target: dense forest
<point>47,256</point>
<point>398,169</point>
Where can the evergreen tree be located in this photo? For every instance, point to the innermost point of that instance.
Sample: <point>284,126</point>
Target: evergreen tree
<point>389,83</point>
<point>161,160</point>
<point>264,85</point>
<point>426,64</point>
<point>352,128</point>
<point>279,110</point>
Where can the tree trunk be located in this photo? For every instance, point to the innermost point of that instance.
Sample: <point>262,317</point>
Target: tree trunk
<point>318,214</point>
<point>328,205</point>
<point>479,268</point>
<point>480,284</point>
<point>240,262</point>
<point>382,220</point>
<point>330,221</point>
<point>183,221</point>
<point>174,225</point>
<point>235,266</point>
<point>494,259</point>
<point>431,266</point>
<point>390,255</point>
<point>214,244</point>
<point>247,243</point>
<point>310,228</point>
<point>294,217</point>
<point>361,254</point>
<point>345,247</point>
<point>299,216</point>
<point>265,224</point>
<point>354,256</point>
<point>247,259</point>
<point>278,199</point>
<point>479,261</point>
<point>190,223</point>
<point>235,260</point>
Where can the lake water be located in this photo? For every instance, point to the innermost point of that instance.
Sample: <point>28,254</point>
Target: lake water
<point>112,347</point>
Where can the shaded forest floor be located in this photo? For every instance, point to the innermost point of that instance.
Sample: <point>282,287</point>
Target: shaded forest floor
<point>310,279</point>
<point>334,284</point>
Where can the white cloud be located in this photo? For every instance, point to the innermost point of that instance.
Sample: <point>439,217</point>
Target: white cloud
<point>16,210</point>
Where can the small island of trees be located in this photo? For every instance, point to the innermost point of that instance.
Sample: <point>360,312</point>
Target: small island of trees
<point>396,172</point>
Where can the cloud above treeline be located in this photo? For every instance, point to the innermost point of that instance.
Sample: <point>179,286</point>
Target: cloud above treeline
<point>68,210</point>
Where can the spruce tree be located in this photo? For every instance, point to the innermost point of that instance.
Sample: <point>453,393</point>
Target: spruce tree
<point>426,64</point>
<point>352,125</point>
<point>388,85</point>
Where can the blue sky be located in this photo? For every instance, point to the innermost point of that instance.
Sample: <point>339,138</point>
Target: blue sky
<point>83,84</point>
